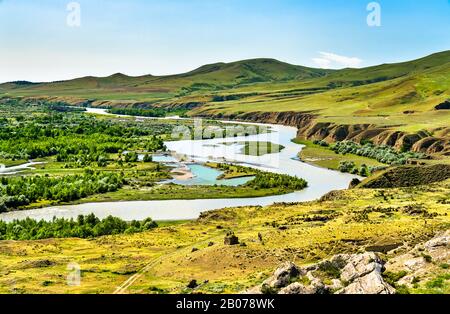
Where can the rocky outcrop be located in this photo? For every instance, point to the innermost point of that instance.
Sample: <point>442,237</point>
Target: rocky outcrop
<point>342,274</point>
<point>421,262</point>
<point>364,274</point>
<point>288,118</point>
<point>283,275</point>
<point>406,141</point>
<point>443,106</point>
<point>409,266</point>
<point>311,129</point>
<point>231,239</point>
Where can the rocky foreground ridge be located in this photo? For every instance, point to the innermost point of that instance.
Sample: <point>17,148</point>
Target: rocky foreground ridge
<point>363,273</point>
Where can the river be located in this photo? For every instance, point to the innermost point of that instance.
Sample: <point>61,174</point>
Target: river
<point>320,180</point>
<point>17,169</point>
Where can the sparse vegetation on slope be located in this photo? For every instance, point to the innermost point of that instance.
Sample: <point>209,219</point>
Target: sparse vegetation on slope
<point>400,96</point>
<point>408,176</point>
<point>305,233</point>
<point>383,154</point>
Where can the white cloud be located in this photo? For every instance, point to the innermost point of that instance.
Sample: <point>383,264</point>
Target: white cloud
<point>332,60</point>
<point>321,62</point>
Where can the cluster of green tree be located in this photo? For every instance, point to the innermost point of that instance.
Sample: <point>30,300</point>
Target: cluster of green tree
<point>321,143</point>
<point>383,154</point>
<point>147,112</point>
<point>74,137</point>
<point>220,98</point>
<point>263,179</point>
<point>147,158</point>
<point>155,144</point>
<point>131,157</point>
<point>267,180</point>
<point>155,112</point>
<point>83,227</point>
<point>62,107</point>
<point>134,157</point>
<point>21,191</point>
<point>350,167</point>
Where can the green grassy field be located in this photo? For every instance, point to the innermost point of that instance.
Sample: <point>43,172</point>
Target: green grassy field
<point>177,192</point>
<point>232,171</point>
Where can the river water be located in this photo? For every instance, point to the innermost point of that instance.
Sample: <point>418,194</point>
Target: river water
<point>320,181</point>
<point>17,169</point>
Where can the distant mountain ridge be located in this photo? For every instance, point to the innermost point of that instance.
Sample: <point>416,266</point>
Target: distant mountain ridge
<point>400,104</point>
<point>230,75</point>
<point>264,68</point>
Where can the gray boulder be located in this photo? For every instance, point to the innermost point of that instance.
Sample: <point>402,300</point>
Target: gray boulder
<point>442,241</point>
<point>296,288</point>
<point>283,276</point>
<point>371,283</point>
<point>359,274</point>
<point>359,265</point>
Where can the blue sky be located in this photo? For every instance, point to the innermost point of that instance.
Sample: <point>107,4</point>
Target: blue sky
<point>172,36</point>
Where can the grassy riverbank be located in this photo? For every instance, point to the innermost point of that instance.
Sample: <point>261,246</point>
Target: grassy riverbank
<point>324,157</point>
<point>140,183</point>
<point>182,192</point>
<point>11,163</point>
<point>71,143</point>
<point>232,171</point>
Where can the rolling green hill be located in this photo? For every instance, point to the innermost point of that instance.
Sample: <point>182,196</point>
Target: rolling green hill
<point>266,77</point>
<point>396,97</point>
<point>210,77</point>
<point>257,75</point>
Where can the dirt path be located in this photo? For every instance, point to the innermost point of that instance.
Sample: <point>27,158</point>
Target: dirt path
<point>122,289</point>
<point>124,286</point>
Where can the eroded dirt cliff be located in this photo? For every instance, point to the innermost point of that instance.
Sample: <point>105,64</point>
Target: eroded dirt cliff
<point>311,129</point>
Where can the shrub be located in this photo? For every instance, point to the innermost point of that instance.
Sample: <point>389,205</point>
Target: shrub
<point>427,258</point>
<point>383,154</point>
<point>392,278</point>
<point>83,227</point>
<point>346,166</point>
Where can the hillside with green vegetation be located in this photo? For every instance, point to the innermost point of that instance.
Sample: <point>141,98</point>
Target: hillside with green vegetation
<point>388,122</point>
<point>405,176</point>
<point>210,77</point>
<point>395,104</point>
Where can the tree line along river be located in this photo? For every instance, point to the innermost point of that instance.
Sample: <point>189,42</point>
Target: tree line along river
<point>320,180</point>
